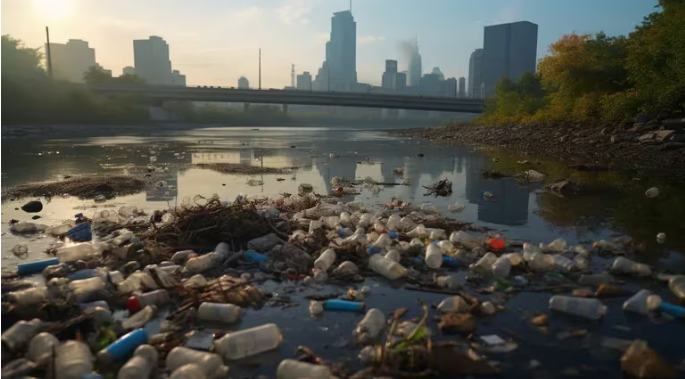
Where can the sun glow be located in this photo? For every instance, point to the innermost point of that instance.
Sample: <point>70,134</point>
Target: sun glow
<point>53,10</point>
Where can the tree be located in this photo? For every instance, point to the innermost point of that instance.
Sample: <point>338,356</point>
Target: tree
<point>96,75</point>
<point>20,62</point>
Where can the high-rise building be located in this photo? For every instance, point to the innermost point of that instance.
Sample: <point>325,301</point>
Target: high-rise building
<point>71,60</point>
<point>448,87</point>
<point>243,83</point>
<point>128,70</point>
<point>438,72</point>
<point>401,81</point>
<point>462,87</point>
<point>389,78</point>
<point>151,58</point>
<point>304,81</point>
<point>415,66</point>
<point>430,85</point>
<point>341,52</point>
<point>475,73</point>
<point>178,79</point>
<point>509,50</point>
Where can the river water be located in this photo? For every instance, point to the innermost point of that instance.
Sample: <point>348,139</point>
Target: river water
<point>612,204</point>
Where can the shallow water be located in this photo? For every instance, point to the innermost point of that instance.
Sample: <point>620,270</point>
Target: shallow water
<point>614,204</point>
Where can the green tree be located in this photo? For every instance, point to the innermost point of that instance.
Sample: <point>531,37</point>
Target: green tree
<point>96,75</point>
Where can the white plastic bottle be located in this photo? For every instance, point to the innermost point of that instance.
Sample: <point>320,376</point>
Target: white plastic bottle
<point>90,289</point>
<point>141,365</point>
<point>195,281</point>
<point>82,251</point>
<point>370,326</point>
<point>530,249</point>
<point>74,360</point>
<point>514,258</point>
<point>587,308</point>
<point>484,265</point>
<point>502,267</point>
<point>436,234</point>
<point>135,282</point>
<point>448,281</point>
<point>364,220</point>
<point>315,308</point>
<point>201,263</point>
<point>383,242</point>
<point>541,262</point>
<point>346,268</point>
<point>447,247</point>
<point>556,246</point>
<point>292,369</point>
<point>562,264</point>
<point>325,260</point>
<point>677,286</point>
<point>393,255</point>
<point>407,224</point>
<point>19,334</point>
<point>581,262</point>
<point>211,364</point>
<point>642,302</point>
<point>248,342</point>
<point>393,222</point>
<point>189,371</point>
<point>27,297</point>
<point>141,318</point>
<point>418,231</point>
<point>454,304</point>
<point>626,266</point>
<point>433,256</point>
<point>40,347</point>
<point>386,267</point>
<point>217,312</point>
<point>465,239</point>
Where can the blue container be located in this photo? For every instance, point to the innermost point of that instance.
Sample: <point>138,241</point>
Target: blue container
<point>393,234</point>
<point>672,309</point>
<point>122,347</point>
<point>83,274</point>
<point>343,305</point>
<point>78,215</point>
<point>253,256</point>
<point>80,233</point>
<point>31,267</point>
<point>449,261</point>
<point>341,233</point>
<point>374,250</point>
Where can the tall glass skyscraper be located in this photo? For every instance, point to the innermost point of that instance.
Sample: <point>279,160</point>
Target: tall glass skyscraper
<point>509,50</point>
<point>151,59</point>
<point>415,66</point>
<point>341,52</point>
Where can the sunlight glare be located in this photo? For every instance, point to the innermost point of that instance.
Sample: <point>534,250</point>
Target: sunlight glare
<point>53,10</point>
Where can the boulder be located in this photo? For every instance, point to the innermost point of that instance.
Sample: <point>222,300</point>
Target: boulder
<point>647,137</point>
<point>664,135</point>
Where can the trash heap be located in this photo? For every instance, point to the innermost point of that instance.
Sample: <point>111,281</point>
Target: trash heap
<point>204,261</point>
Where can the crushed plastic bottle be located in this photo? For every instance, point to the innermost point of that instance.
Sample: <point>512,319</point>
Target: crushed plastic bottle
<point>625,266</point>
<point>642,302</point>
<point>515,259</point>
<point>325,260</point>
<point>457,207</point>
<point>370,327</point>
<point>364,220</point>
<point>292,369</point>
<point>484,265</point>
<point>141,365</point>
<point>556,246</point>
<point>429,208</point>
<point>141,318</point>
<point>454,304</point>
<point>359,237</point>
<point>652,192</point>
<point>315,308</point>
<point>677,286</point>
<point>384,242</point>
<point>562,264</point>
<point>407,224</point>
<point>587,308</point>
<point>19,334</point>
<point>394,222</point>
<point>88,289</point>
<point>41,346</point>
<point>248,342</point>
<point>433,257</point>
<point>211,364</point>
<point>501,267</point>
<point>386,267</point>
<point>418,231</point>
<point>74,360</point>
<point>448,282</point>
<point>346,268</point>
<point>465,239</point>
<point>393,255</point>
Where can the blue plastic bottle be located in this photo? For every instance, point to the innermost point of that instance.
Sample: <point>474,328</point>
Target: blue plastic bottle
<point>374,250</point>
<point>253,256</point>
<point>31,267</point>
<point>449,261</point>
<point>122,347</point>
<point>672,309</point>
<point>393,234</point>
<point>80,233</point>
<point>343,305</point>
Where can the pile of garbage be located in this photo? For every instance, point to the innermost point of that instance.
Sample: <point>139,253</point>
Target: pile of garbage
<point>205,261</point>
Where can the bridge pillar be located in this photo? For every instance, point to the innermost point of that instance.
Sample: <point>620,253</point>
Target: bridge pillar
<point>285,108</point>
<point>246,107</point>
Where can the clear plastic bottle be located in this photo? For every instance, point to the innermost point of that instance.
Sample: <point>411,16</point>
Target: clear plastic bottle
<point>448,281</point>
<point>82,251</point>
<point>626,266</point>
<point>488,308</point>
<point>325,260</point>
<point>315,308</point>
<point>465,239</point>
<point>501,267</point>
<point>370,326</point>
<point>19,334</point>
<point>211,364</point>
<point>429,208</point>
<point>217,312</point>
<point>314,226</point>
<point>579,249</point>
<point>346,268</point>
<point>27,297</point>
<point>359,236</point>
<point>418,231</point>
<point>40,347</point>
<point>677,286</point>
<point>407,224</point>
<point>514,258</point>
<point>541,262</point>
<point>141,365</point>
<point>138,302</point>
<point>248,342</point>
<point>581,262</point>
<point>201,263</point>
<point>652,192</point>
<point>604,245</point>
<point>331,221</point>
<point>556,246</point>
<point>386,267</point>
<point>587,308</point>
<point>182,256</point>
<point>372,237</point>
<point>189,371</point>
<point>394,222</point>
<point>383,242</point>
<point>196,281</point>
<point>135,282</point>
<point>484,265</point>
<point>433,256</point>
<point>141,318</point>
<point>456,207</point>
<point>562,264</point>
<point>435,234</point>
<point>292,369</point>
<point>416,242</point>
<point>454,304</point>
<point>642,302</point>
<point>74,360</point>
<point>529,250</point>
<point>393,255</point>
<point>364,220</point>
<point>88,289</point>
<point>447,247</point>
<point>378,227</point>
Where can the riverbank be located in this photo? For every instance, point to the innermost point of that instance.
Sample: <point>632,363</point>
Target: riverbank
<point>654,145</point>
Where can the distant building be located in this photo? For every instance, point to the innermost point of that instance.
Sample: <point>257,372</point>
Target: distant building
<point>475,74</point>
<point>401,81</point>
<point>448,87</point>
<point>462,87</point>
<point>389,78</point>
<point>321,82</point>
<point>71,60</point>
<point>178,79</point>
<point>243,83</point>
<point>104,70</point>
<point>509,50</point>
<point>438,72</point>
<point>151,57</point>
<point>430,85</point>
<point>414,75</point>
<point>304,81</point>
<point>128,70</point>
<point>341,52</point>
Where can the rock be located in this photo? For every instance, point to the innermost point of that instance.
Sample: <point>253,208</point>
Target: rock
<point>675,124</point>
<point>541,320</point>
<point>642,362</point>
<point>457,323</point>
<point>664,135</point>
<point>36,217</point>
<point>647,137</point>
<point>34,206</point>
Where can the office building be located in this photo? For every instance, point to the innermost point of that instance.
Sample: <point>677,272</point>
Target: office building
<point>389,78</point>
<point>71,60</point>
<point>151,61</point>
<point>430,85</point>
<point>401,81</point>
<point>509,50</point>
<point>438,72</point>
<point>178,79</point>
<point>128,70</point>
<point>341,52</point>
<point>462,87</point>
<point>448,87</point>
<point>304,81</point>
<point>415,70</point>
<point>475,74</point>
<point>243,83</point>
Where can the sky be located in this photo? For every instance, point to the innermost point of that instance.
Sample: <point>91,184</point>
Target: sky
<point>214,42</point>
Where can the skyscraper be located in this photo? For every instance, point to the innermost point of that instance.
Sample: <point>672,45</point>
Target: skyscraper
<point>71,60</point>
<point>509,50</point>
<point>462,87</point>
<point>415,66</point>
<point>341,52</point>
<point>178,79</point>
<point>438,72</point>
<point>475,73</point>
<point>448,87</point>
<point>151,59</point>
<point>304,81</point>
<point>389,79</point>
<point>243,83</point>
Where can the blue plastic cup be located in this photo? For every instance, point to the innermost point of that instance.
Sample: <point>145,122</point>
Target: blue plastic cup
<point>31,267</point>
<point>253,256</point>
<point>343,305</point>
<point>122,347</point>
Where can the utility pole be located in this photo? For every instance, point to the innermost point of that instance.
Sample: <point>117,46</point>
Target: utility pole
<point>49,56</point>
<point>260,68</point>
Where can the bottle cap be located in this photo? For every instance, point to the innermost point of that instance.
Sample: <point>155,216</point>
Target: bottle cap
<point>133,305</point>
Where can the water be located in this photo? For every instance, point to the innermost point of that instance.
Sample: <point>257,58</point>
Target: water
<point>612,204</point>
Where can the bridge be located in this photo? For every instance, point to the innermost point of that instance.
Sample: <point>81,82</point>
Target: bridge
<point>287,97</point>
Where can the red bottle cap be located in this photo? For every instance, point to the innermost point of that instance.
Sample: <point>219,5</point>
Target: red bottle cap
<point>497,244</point>
<point>133,305</point>
<point>340,189</point>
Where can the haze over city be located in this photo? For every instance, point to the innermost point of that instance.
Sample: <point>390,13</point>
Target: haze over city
<point>216,42</point>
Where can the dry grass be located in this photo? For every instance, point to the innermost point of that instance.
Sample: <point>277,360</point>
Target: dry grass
<point>234,168</point>
<point>86,187</point>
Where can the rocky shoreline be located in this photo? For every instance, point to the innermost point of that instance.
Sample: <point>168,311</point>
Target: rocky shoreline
<point>653,145</point>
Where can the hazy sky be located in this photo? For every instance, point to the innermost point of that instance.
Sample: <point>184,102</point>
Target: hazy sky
<point>213,42</point>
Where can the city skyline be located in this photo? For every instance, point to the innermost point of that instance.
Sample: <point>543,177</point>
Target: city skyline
<point>294,31</point>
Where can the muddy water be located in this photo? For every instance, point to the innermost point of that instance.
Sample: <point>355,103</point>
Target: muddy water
<point>613,204</point>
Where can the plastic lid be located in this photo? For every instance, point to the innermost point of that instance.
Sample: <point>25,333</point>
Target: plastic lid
<point>133,305</point>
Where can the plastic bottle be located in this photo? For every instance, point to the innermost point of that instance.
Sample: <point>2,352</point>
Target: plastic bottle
<point>88,289</point>
<point>581,262</point>
<point>248,342</point>
<point>40,347</point>
<point>514,258</point>
<point>364,220</point>
<point>201,263</point>
<point>407,224</point>
<point>315,308</point>
<point>292,369</point>
<point>393,222</point>
<point>529,250</point>
<point>642,302</point>
<point>652,192</point>
<point>343,305</point>
<point>80,233</point>
<point>386,267</point>
<point>587,308</point>
<point>100,316</point>
<point>677,286</point>
<point>465,239</point>
<point>454,304</point>
<point>447,247</point>
<point>189,371</point>
<point>211,364</point>
<point>38,266</point>
<point>672,309</point>
<point>484,265</point>
<point>416,242</point>
<point>359,236</point>
<point>501,268</point>
<point>157,297</point>
<point>541,262</point>
<point>556,246</point>
<point>604,245</point>
<point>19,334</point>
<point>141,365</point>
<point>122,347</point>
<point>488,308</point>
<point>433,256</point>
<point>325,260</point>
<point>393,255</point>
<point>429,208</point>
<point>74,360</point>
<point>82,251</point>
<point>562,264</point>
<point>28,227</point>
<point>27,297</point>
<point>141,318</point>
<point>456,207</point>
<point>370,326</point>
<point>418,231</point>
<point>346,268</point>
<point>626,266</point>
<point>579,249</point>
<point>135,282</point>
<point>449,282</point>
<point>435,234</point>
<point>595,279</point>
<point>182,256</point>
<point>383,242</point>
<point>217,312</point>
